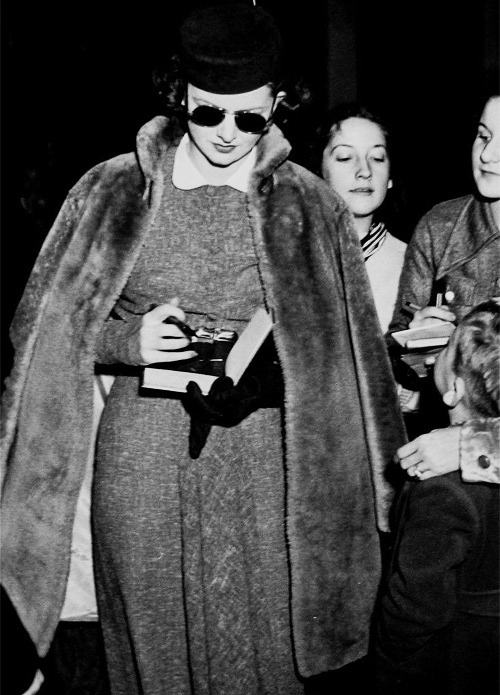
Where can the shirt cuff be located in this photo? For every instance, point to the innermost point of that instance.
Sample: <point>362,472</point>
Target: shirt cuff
<point>480,450</point>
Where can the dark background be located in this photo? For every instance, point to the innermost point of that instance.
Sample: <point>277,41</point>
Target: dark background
<point>76,87</point>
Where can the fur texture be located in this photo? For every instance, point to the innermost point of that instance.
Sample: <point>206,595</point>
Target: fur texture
<point>343,422</point>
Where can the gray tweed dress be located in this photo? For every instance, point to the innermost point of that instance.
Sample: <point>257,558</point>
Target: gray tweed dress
<point>191,562</point>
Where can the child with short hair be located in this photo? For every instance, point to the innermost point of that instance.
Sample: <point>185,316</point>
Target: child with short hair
<point>437,628</point>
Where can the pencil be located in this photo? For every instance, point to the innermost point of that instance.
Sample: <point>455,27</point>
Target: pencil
<point>411,308</point>
<point>187,330</point>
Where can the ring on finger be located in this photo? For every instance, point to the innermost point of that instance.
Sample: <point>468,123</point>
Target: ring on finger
<point>417,473</point>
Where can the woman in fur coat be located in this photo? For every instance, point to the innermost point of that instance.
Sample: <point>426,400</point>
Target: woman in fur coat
<point>254,562</point>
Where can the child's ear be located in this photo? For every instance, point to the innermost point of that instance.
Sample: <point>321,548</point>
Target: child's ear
<point>452,397</point>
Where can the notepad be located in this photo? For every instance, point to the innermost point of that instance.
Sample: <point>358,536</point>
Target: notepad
<point>431,335</point>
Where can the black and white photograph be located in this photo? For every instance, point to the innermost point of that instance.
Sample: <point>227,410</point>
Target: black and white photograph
<point>250,348</point>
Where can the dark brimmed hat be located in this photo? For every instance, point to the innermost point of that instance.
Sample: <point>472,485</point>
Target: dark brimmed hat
<point>230,48</point>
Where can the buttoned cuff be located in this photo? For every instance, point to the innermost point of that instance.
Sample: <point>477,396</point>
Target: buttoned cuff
<point>480,450</point>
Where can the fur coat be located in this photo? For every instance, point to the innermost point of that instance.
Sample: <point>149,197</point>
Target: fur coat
<point>342,424</point>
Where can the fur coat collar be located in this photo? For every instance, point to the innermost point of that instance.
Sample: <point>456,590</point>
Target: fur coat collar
<point>342,417</point>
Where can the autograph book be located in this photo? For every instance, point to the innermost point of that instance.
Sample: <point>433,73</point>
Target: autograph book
<point>175,376</point>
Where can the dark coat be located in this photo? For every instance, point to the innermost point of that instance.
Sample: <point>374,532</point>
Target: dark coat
<point>437,629</point>
<point>342,417</point>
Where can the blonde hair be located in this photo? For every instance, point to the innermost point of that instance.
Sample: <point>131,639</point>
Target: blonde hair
<point>477,357</point>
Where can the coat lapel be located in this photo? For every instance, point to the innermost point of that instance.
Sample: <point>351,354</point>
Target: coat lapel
<point>474,229</point>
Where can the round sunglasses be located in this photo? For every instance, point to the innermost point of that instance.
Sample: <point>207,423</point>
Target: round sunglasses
<point>211,116</point>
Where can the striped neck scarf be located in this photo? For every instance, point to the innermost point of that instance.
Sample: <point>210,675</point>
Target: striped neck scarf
<point>373,240</point>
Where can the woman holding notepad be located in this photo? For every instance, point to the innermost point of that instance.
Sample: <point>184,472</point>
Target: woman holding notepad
<point>452,263</point>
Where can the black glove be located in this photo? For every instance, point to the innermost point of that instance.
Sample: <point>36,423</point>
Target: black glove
<point>226,405</point>
<point>403,373</point>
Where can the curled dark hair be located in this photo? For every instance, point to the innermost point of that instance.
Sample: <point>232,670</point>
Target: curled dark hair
<point>393,211</point>
<point>170,84</point>
<point>334,118</point>
<point>488,89</point>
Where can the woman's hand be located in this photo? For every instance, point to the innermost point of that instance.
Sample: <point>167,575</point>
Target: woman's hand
<point>431,454</point>
<point>164,342</point>
<point>429,314</point>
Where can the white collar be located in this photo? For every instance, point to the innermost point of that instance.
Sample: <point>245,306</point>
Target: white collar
<point>186,176</point>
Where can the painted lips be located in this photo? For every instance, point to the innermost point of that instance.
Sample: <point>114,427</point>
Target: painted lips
<point>224,149</point>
